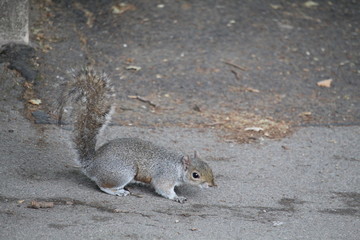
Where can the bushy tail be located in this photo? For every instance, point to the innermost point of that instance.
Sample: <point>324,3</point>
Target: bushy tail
<point>91,99</point>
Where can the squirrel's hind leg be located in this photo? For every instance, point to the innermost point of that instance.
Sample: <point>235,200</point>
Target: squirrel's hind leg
<point>117,191</point>
<point>115,186</point>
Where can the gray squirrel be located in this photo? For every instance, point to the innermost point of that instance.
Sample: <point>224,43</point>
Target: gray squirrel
<point>121,161</point>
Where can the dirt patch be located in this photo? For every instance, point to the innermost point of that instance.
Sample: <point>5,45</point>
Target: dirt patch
<point>244,127</point>
<point>240,127</point>
<point>173,110</point>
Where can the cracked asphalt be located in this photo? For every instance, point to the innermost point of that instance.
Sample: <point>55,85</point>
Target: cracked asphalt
<point>190,75</point>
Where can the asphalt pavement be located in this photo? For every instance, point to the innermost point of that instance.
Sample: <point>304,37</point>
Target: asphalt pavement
<point>190,75</point>
<point>306,186</point>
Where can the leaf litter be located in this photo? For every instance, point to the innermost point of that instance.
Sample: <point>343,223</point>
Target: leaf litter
<point>233,126</point>
<point>243,127</point>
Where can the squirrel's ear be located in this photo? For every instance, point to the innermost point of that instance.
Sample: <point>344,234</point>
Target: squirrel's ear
<point>196,154</point>
<point>186,161</point>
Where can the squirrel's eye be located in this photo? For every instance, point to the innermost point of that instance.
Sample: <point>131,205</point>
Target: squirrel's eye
<point>195,175</point>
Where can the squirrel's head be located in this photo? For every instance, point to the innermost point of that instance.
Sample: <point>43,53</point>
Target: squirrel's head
<point>198,172</point>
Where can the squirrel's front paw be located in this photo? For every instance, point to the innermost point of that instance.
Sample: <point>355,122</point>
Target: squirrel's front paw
<point>180,199</point>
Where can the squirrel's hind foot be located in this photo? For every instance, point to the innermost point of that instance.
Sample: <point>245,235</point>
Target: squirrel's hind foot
<point>115,191</point>
<point>180,199</point>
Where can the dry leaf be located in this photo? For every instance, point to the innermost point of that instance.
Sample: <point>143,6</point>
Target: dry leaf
<point>285,147</point>
<point>305,114</point>
<point>275,6</point>
<point>255,129</point>
<point>136,68</point>
<point>310,4</point>
<point>35,101</point>
<point>250,89</point>
<point>122,7</point>
<point>325,83</point>
<point>90,18</point>
<point>37,205</point>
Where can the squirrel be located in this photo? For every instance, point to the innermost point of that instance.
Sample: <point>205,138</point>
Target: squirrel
<point>124,160</point>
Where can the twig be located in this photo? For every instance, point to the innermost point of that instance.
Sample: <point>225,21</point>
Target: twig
<point>214,124</point>
<point>143,100</point>
<point>234,65</point>
<point>236,75</point>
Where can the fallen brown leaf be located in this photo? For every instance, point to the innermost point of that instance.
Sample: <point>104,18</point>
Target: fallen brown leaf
<point>285,147</point>
<point>135,68</point>
<point>35,101</point>
<point>122,7</point>
<point>325,83</point>
<point>36,205</point>
<point>305,114</point>
<point>255,129</point>
<point>250,89</point>
<point>310,4</point>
